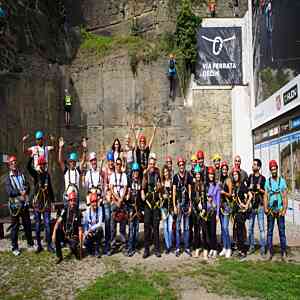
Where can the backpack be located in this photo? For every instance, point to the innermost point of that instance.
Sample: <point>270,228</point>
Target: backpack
<point>172,64</point>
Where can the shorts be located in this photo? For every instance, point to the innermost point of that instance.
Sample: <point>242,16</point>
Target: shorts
<point>67,108</point>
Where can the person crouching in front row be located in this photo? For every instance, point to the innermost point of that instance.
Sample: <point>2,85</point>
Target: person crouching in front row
<point>92,225</point>
<point>68,228</point>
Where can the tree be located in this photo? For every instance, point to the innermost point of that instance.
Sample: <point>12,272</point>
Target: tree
<point>186,34</point>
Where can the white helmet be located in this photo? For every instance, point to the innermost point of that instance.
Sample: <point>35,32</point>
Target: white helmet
<point>92,156</point>
<point>152,155</point>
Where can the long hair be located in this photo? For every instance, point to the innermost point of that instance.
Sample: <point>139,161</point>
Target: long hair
<point>199,185</point>
<point>162,174</point>
<point>113,145</point>
<point>214,182</point>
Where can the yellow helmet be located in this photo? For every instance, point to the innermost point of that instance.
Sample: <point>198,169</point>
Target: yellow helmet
<point>216,156</point>
<point>193,157</point>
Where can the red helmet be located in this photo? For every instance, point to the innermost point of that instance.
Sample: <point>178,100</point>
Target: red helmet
<point>180,159</point>
<point>142,138</point>
<point>168,158</point>
<point>224,163</point>
<point>42,160</point>
<point>93,197</point>
<point>211,170</point>
<point>200,154</point>
<point>235,169</point>
<point>272,164</point>
<point>12,158</point>
<point>72,196</point>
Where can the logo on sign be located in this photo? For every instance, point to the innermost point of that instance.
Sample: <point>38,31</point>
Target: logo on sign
<point>218,42</point>
<point>290,95</point>
<point>278,102</point>
<point>296,122</point>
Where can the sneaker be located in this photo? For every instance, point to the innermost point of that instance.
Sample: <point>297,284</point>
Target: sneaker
<point>146,254</point>
<point>243,256</point>
<point>177,252</point>
<point>167,251</point>
<point>223,252</point>
<point>214,254</point>
<point>50,249</point>
<point>228,253</point>
<point>59,260</point>
<point>188,252</point>
<point>157,254</point>
<point>16,252</point>
<point>130,253</point>
<point>97,254</point>
<point>39,249</point>
<point>210,253</point>
<point>251,250</point>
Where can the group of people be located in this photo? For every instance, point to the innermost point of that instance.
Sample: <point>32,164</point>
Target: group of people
<point>126,187</point>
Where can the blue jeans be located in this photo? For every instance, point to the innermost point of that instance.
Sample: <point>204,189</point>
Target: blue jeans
<point>133,234</point>
<point>89,241</point>
<point>225,231</point>
<point>260,219</point>
<point>167,225</point>
<point>107,215</point>
<point>281,229</point>
<point>37,219</point>
<point>184,218</point>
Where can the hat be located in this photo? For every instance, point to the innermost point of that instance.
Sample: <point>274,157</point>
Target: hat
<point>152,155</point>
<point>92,156</point>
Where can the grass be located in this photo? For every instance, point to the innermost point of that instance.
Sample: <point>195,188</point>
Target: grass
<point>263,280</point>
<point>21,277</point>
<point>131,285</point>
<point>27,277</point>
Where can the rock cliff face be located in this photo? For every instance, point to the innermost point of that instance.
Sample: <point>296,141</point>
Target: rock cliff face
<point>110,97</point>
<point>39,58</point>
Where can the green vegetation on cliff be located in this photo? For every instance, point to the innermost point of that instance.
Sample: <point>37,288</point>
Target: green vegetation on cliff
<point>139,49</point>
<point>183,43</point>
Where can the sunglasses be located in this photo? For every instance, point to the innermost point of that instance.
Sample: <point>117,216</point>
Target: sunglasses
<point>181,165</point>
<point>118,164</point>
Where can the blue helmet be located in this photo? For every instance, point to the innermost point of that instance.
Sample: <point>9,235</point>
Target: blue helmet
<point>39,135</point>
<point>110,156</point>
<point>73,156</point>
<point>135,166</point>
<point>197,169</point>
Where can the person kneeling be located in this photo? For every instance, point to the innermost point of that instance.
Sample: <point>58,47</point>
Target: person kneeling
<point>68,228</point>
<point>92,226</point>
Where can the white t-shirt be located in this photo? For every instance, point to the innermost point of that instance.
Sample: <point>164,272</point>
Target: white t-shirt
<point>129,156</point>
<point>72,177</point>
<point>38,151</point>
<point>119,182</point>
<point>93,178</point>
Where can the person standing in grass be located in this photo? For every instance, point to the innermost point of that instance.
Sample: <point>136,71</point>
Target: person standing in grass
<point>225,209</point>
<point>275,205</point>
<point>242,198</point>
<point>256,185</point>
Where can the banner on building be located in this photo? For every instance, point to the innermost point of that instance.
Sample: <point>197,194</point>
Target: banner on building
<point>219,59</point>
